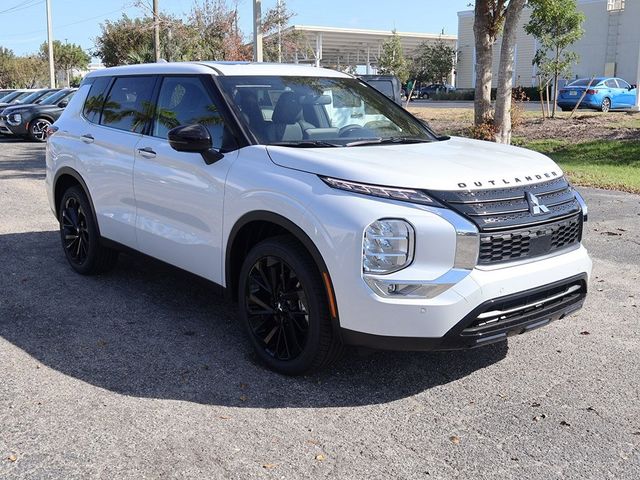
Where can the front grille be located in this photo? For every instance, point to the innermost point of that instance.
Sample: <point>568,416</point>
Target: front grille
<point>510,229</point>
<point>522,243</point>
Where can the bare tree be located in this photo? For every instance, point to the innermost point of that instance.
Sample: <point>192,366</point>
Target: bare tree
<point>502,116</point>
<point>489,15</point>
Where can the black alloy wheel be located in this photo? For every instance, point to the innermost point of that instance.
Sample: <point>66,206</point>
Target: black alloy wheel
<point>284,306</point>
<point>79,234</point>
<point>277,308</point>
<point>75,231</point>
<point>38,129</point>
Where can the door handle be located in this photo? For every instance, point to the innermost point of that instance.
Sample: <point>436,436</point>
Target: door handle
<point>87,138</point>
<point>146,152</point>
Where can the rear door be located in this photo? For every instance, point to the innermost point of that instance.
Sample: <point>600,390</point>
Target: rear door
<point>179,197</point>
<point>116,111</point>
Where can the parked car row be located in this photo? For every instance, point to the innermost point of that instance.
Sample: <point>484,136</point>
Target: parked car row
<point>29,113</point>
<point>600,93</point>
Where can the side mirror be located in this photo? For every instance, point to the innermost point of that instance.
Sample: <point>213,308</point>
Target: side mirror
<point>633,87</point>
<point>194,139</point>
<point>63,103</point>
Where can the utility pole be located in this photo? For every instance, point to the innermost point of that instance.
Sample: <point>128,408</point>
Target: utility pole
<point>156,31</point>
<point>52,70</point>
<point>257,30</point>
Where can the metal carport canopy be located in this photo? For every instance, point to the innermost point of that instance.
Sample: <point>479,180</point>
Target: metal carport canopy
<point>332,46</point>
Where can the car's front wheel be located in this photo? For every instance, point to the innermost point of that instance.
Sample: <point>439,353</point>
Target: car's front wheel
<point>38,129</point>
<point>284,308</point>
<point>605,106</point>
<point>80,237</point>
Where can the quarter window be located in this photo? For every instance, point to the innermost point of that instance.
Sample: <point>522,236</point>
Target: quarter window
<point>186,101</point>
<point>95,99</point>
<point>128,105</point>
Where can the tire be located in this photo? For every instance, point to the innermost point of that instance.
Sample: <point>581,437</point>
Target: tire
<point>38,129</point>
<point>605,106</point>
<point>79,235</point>
<point>284,308</point>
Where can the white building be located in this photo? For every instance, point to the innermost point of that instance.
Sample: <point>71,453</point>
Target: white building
<point>610,45</point>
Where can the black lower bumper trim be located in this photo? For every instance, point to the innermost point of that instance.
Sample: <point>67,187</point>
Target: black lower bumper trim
<point>471,333</point>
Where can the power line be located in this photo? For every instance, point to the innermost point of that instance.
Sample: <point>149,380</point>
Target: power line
<point>22,6</point>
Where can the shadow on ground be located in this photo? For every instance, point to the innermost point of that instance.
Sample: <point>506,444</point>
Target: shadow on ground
<point>149,330</point>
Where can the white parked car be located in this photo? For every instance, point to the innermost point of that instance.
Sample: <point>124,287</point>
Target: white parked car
<point>333,216</point>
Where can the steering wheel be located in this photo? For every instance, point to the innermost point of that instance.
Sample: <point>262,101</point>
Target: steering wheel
<point>347,130</point>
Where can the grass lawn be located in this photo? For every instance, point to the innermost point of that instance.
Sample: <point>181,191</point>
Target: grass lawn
<point>611,164</point>
<point>594,149</point>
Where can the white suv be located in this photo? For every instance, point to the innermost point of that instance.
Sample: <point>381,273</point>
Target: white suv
<point>331,214</point>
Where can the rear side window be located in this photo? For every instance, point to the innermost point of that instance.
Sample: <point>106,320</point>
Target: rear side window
<point>95,99</point>
<point>128,105</point>
<point>611,83</point>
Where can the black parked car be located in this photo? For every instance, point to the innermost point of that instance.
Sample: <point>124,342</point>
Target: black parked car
<point>386,84</point>
<point>429,90</point>
<point>33,120</point>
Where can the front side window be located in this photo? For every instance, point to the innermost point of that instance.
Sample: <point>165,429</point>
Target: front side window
<point>128,106</point>
<point>623,84</point>
<point>186,101</point>
<point>320,111</point>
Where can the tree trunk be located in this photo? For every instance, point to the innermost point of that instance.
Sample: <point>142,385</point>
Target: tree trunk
<point>556,74</point>
<point>502,117</point>
<point>484,56</point>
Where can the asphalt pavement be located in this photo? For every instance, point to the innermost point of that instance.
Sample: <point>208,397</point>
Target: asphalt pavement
<point>144,373</point>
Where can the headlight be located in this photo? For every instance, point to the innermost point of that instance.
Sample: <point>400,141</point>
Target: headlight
<point>14,119</point>
<point>403,194</point>
<point>387,246</point>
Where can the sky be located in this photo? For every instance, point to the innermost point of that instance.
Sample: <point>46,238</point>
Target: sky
<point>23,24</point>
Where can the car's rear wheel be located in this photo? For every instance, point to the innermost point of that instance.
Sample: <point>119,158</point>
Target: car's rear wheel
<point>38,129</point>
<point>284,308</point>
<point>605,106</point>
<point>80,237</point>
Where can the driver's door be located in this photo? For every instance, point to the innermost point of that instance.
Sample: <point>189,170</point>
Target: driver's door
<point>179,198</point>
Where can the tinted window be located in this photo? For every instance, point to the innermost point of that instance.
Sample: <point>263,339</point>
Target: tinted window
<point>583,82</point>
<point>95,99</point>
<point>611,83</point>
<point>128,105</point>
<point>186,101</point>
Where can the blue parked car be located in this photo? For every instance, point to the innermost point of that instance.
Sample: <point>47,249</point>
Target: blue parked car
<point>604,94</point>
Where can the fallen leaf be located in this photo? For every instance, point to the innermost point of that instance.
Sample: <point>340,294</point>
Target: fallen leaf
<point>243,386</point>
<point>539,417</point>
<point>455,439</point>
<point>243,398</point>
<point>223,417</point>
<point>269,466</point>
<point>565,424</point>
<point>611,234</point>
<point>535,404</point>
<point>320,457</point>
<point>313,442</point>
<point>12,458</point>
<point>584,332</point>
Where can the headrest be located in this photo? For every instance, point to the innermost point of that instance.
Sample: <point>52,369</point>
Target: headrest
<point>288,110</point>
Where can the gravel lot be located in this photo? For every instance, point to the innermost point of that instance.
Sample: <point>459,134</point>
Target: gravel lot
<point>143,373</point>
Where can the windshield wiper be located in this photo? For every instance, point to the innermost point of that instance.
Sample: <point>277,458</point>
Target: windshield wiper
<point>306,144</point>
<point>381,141</point>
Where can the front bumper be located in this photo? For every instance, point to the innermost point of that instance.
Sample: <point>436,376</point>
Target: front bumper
<point>4,128</point>
<point>492,321</point>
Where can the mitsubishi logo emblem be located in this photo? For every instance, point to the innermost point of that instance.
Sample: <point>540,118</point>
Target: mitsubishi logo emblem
<point>535,207</point>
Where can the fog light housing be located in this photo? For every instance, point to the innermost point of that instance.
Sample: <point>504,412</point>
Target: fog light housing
<point>387,246</point>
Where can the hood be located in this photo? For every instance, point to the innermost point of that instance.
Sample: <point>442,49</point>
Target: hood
<point>454,164</point>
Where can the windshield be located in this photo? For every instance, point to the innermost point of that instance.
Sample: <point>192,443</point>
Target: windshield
<point>317,111</point>
<point>33,97</point>
<point>56,97</point>
<point>12,96</point>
